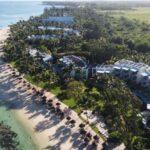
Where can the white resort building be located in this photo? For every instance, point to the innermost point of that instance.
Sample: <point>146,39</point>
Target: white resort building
<point>102,69</point>
<point>42,37</point>
<point>79,66</point>
<point>61,19</point>
<point>136,72</point>
<point>67,31</point>
<point>45,57</point>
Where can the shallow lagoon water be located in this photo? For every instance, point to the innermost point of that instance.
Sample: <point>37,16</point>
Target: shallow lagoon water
<point>8,117</point>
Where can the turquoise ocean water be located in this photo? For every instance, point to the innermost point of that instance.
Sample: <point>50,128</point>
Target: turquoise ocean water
<point>11,12</point>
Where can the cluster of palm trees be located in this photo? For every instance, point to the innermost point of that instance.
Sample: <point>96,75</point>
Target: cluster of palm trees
<point>120,108</point>
<point>8,138</point>
<point>110,97</point>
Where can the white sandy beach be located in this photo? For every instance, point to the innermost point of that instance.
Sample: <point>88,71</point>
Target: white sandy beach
<point>46,130</point>
<point>4,34</point>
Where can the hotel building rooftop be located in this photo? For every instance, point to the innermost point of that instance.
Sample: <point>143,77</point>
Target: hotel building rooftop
<point>62,19</point>
<point>66,30</point>
<point>127,64</point>
<point>104,69</point>
<point>46,57</point>
<point>44,37</point>
<point>73,60</point>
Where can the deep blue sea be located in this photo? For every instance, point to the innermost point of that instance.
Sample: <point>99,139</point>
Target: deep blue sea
<point>11,12</point>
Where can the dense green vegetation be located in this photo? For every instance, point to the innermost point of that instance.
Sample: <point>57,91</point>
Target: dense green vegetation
<point>111,98</point>
<point>141,14</point>
<point>7,138</point>
<point>103,39</point>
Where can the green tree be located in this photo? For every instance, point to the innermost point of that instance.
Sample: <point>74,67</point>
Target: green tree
<point>7,138</point>
<point>75,90</point>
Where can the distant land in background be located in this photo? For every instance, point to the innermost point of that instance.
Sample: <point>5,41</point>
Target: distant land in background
<point>139,10</point>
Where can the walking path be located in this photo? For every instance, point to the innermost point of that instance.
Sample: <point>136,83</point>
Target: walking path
<point>45,128</point>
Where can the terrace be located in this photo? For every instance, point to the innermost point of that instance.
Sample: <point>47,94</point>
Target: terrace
<point>42,37</point>
<point>104,69</point>
<point>61,19</point>
<point>138,72</point>
<point>73,60</point>
<point>96,120</point>
<point>66,30</point>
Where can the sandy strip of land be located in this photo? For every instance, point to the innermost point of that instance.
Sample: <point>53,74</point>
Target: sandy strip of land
<point>45,128</point>
<point>4,34</point>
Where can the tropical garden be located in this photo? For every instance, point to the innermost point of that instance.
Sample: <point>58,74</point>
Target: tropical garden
<point>103,39</point>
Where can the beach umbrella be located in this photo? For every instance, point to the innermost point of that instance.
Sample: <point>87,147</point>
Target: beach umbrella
<point>61,115</point>
<point>68,118</point>
<point>16,76</point>
<point>93,112</point>
<point>94,144</point>
<point>50,104</point>
<point>72,121</point>
<point>19,81</point>
<point>13,73</point>
<point>82,125</point>
<point>37,92</point>
<point>53,109</point>
<point>24,82</point>
<point>82,132</point>
<point>41,92</point>
<point>89,135</point>
<point>96,138</point>
<point>28,85</point>
<point>58,104</point>
<point>86,140</point>
<point>33,89</point>
<point>44,98</point>
<point>58,110</point>
<point>49,101</point>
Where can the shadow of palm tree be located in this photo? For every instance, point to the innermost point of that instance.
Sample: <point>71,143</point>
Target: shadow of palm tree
<point>62,134</point>
<point>14,97</point>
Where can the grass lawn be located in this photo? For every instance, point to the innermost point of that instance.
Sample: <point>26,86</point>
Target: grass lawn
<point>56,90</point>
<point>141,14</point>
<point>72,104</point>
<point>97,131</point>
<point>13,63</point>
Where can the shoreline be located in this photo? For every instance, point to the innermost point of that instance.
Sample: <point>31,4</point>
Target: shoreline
<point>4,32</point>
<point>15,113</point>
<point>19,115</point>
<point>45,129</point>
<point>10,118</point>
